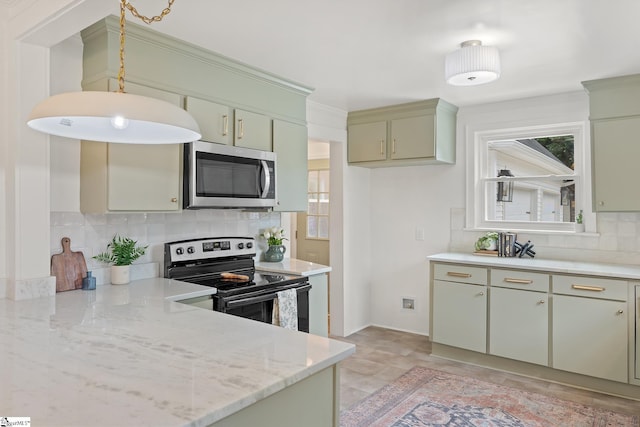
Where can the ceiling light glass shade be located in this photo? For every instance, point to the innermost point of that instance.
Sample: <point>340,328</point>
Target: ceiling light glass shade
<point>472,64</point>
<point>114,117</point>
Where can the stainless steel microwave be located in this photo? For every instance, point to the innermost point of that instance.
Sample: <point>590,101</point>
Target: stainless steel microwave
<point>223,176</point>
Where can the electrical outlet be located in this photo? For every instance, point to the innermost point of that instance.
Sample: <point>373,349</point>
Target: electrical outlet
<point>408,303</point>
<point>419,233</point>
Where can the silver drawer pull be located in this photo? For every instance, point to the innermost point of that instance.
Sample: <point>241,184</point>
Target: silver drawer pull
<point>456,274</point>
<point>518,281</point>
<point>588,288</point>
<point>620,311</point>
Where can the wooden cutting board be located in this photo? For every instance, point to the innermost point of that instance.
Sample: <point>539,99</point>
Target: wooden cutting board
<point>69,267</point>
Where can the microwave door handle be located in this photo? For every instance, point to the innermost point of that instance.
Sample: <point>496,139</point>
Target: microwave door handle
<point>266,179</point>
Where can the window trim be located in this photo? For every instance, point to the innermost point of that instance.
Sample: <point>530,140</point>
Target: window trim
<point>477,162</point>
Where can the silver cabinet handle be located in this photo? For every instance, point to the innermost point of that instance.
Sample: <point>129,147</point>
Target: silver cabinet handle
<point>621,311</point>
<point>393,146</point>
<point>381,147</point>
<point>174,200</point>
<point>225,125</point>
<point>541,301</point>
<point>518,281</point>
<point>481,294</point>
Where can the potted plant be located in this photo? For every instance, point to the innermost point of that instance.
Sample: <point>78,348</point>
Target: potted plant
<point>121,253</point>
<point>276,250</point>
<point>488,242</point>
<point>579,222</point>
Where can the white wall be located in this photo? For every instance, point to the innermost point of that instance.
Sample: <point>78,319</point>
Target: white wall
<point>406,203</point>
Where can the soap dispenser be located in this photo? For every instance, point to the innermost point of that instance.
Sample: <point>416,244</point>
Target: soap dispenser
<point>89,282</point>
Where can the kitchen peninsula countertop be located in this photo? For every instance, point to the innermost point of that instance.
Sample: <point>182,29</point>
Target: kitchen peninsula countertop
<point>130,355</point>
<point>546,265</point>
<point>293,266</point>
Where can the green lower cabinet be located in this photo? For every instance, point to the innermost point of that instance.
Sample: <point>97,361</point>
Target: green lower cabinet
<point>590,337</point>
<point>519,325</point>
<point>312,402</point>
<point>460,315</point>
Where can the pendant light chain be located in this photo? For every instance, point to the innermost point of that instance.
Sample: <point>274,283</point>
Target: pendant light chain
<point>147,20</point>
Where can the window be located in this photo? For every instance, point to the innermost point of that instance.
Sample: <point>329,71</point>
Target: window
<point>528,178</point>
<point>318,204</point>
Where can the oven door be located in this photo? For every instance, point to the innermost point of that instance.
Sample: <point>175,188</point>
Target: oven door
<point>222,176</point>
<point>259,305</point>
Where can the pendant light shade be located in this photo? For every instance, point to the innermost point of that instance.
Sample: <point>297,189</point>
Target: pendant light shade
<point>472,64</point>
<point>114,117</point>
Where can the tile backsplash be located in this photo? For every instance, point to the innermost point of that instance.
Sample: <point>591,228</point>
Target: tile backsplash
<point>617,240</point>
<point>90,233</point>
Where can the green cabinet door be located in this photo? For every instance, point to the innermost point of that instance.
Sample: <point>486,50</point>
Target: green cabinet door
<point>290,145</point>
<point>252,130</point>
<point>519,325</point>
<point>367,142</point>
<point>616,149</point>
<point>590,337</point>
<point>413,137</point>
<point>460,315</point>
<point>213,119</point>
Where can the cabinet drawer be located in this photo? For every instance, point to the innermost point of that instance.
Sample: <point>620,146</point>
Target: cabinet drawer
<point>460,273</point>
<point>516,279</point>
<point>590,287</point>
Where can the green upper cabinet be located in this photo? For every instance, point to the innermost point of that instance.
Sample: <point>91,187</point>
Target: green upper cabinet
<point>415,133</point>
<point>233,104</point>
<point>614,112</point>
<point>290,145</point>
<point>214,119</point>
<point>252,130</point>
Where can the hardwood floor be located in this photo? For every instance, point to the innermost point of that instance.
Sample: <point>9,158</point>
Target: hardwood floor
<point>382,355</point>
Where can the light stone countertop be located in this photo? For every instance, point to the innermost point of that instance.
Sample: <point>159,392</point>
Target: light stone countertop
<point>293,266</point>
<point>553,266</point>
<point>128,355</point>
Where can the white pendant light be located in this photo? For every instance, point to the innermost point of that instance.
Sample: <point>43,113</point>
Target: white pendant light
<point>472,64</point>
<point>115,116</point>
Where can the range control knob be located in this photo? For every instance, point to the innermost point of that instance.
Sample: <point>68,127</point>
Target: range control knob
<point>249,245</point>
<point>179,251</point>
<point>191,250</point>
<point>241,245</point>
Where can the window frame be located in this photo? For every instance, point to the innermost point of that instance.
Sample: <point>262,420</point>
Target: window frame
<point>478,163</point>
<point>318,193</point>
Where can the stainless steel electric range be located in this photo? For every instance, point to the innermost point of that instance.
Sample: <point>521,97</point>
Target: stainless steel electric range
<point>227,264</point>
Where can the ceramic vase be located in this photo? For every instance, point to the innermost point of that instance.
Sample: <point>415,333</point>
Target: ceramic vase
<point>275,253</point>
<point>120,274</point>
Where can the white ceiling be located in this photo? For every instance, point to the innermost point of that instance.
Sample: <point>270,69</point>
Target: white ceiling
<point>367,53</point>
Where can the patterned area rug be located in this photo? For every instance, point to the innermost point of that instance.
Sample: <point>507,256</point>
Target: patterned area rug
<point>426,397</point>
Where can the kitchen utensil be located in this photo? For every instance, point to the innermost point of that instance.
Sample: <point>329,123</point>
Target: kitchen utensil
<point>69,267</point>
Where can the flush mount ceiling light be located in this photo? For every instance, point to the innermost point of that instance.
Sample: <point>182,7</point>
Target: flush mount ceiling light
<point>472,64</point>
<point>115,116</point>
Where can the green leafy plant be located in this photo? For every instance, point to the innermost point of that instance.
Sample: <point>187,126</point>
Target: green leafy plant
<point>486,241</point>
<point>579,218</point>
<point>121,251</point>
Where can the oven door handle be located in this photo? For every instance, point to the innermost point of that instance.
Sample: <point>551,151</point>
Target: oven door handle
<point>263,297</point>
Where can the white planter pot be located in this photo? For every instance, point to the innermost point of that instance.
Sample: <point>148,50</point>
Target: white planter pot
<point>120,274</point>
<point>579,228</point>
